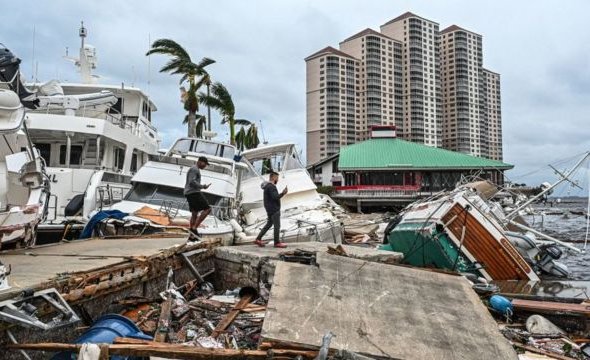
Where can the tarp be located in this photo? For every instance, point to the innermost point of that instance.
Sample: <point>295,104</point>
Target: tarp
<point>97,218</point>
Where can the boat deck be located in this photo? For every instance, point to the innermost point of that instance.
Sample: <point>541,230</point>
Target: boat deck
<point>31,267</point>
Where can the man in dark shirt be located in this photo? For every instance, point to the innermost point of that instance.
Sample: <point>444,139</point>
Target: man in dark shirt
<point>272,205</point>
<point>192,191</point>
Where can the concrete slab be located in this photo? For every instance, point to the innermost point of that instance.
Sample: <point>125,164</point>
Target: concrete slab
<point>381,311</point>
<point>38,265</point>
<point>254,253</point>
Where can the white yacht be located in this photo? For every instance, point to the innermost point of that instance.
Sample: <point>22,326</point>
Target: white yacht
<point>306,215</point>
<point>24,188</point>
<point>93,138</point>
<point>159,185</point>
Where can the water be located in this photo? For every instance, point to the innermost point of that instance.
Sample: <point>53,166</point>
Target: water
<point>566,227</point>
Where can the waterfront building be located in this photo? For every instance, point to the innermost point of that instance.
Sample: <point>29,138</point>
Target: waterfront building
<point>430,84</point>
<point>491,115</point>
<point>421,71</point>
<point>331,102</point>
<point>379,92</point>
<point>388,170</point>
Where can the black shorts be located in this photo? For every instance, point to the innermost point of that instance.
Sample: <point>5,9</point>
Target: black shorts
<point>197,202</point>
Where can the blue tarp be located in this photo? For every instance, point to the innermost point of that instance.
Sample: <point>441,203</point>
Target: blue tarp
<point>98,217</point>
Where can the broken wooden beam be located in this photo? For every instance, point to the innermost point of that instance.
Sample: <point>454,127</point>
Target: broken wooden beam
<point>551,307</point>
<point>231,316</point>
<point>164,320</point>
<point>542,352</point>
<point>171,351</point>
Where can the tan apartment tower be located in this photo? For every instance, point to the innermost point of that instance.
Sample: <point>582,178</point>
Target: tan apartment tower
<point>331,102</point>
<point>461,67</point>
<point>491,114</point>
<point>379,88</point>
<point>422,120</point>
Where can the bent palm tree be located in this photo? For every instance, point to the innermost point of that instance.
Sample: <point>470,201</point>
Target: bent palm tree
<point>193,73</point>
<point>221,100</point>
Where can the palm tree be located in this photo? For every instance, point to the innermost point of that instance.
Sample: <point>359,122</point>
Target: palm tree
<point>201,123</point>
<point>220,99</point>
<point>193,73</point>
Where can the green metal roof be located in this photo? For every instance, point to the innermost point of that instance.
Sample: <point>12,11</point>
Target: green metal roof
<point>393,153</point>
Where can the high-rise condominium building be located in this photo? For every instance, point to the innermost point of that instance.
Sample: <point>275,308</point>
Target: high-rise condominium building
<point>491,115</point>
<point>462,62</point>
<point>379,91</point>
<point>430,84</point>
<point>421,71</point>
<point>471,96</point>
<point>331,102</point>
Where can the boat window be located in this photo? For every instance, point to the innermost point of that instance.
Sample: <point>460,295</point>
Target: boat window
<point>168,196</point>
<point>133,162</point>
<point>227,152</point>
<point>207,148</point>
<point>266,165</point>
<point>75,154</point>
<point>115,178</point>
<point>292,161</point>
<point>44,151</point>
<point>182,146</point>
<point>141,192</point>
<point>119,157</point>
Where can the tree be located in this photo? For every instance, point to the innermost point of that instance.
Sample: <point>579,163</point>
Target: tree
<point>247,136</point>
<point>220,99</point>
<point>201,122</point>
<point>193,73</point>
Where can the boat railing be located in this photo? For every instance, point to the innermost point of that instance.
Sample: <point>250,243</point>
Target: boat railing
<point>110,194</point>
<point>112,116</point>
<point>172,208</point>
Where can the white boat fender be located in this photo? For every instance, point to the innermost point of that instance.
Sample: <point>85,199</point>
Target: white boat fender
<point>242,236</point>
<point>234,224</point>
<point>536,324</point>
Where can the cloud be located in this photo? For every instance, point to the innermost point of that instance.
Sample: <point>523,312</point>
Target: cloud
<point>259,46</point>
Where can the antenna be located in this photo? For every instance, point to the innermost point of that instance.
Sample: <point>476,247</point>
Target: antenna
<point>33,75</point>
<point>262,130</point>
<point>149,66</point>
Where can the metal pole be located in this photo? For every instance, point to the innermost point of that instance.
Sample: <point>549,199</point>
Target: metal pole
<point>68,149</point>
<point>571,247</point>
<point>564,178</point>
<point>208,107</point>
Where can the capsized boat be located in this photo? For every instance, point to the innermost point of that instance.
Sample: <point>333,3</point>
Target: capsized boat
<point>461,231</point>
<point>306,215</point>
<point>24,186</point>
<point>156,197</point>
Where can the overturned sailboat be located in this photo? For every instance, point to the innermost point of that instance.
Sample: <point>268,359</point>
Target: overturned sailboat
<point>462,231</point>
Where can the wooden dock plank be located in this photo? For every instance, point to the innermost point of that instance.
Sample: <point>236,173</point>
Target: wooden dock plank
<point>29,270</point>
<point>382,311</point>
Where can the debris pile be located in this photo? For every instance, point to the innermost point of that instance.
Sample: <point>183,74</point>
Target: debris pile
<point>561,332</point>
<point>194,315</point>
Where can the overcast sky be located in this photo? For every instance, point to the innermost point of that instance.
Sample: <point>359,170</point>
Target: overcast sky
<point>540,48</point>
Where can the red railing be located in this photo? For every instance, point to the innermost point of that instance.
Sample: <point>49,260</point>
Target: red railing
<point>378,188</point>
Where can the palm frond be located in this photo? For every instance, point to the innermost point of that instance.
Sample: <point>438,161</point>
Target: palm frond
<point>242,122</point>
<point>168,47</point>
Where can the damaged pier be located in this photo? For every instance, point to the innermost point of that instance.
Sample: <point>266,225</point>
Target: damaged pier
<point>372,306</point>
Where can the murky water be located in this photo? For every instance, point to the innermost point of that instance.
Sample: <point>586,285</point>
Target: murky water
<point>566,226</point>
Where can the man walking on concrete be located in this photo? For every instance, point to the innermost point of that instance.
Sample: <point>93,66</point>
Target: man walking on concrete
<point>272,205</point>
<point>192,191</point>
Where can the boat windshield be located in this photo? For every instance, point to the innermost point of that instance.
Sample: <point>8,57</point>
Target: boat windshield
<point>172,197</point>
<point>185,146</point>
